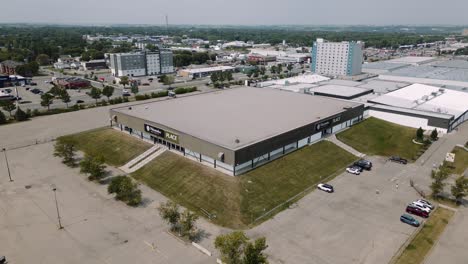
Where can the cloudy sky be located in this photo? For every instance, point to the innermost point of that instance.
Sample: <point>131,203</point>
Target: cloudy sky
<point>245,12</point>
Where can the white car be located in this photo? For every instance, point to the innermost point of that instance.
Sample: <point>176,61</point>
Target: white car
<point>426,203</point>
<point>325,187</point>
<point>353,170</point>
<point>421,206</point>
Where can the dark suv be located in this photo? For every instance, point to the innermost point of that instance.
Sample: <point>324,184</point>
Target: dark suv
<point>365,164</point>
<point>416,211</point>
<point>398,159</point>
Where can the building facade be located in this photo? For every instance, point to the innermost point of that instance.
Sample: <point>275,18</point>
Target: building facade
<point>337,58</point>
<point>8,67</point>
<point>141,63</point>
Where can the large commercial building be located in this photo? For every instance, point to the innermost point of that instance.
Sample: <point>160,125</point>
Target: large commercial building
<point>337,58</point>
<point>142,63</point>
<point>203,72</point>
<point>239,129</point>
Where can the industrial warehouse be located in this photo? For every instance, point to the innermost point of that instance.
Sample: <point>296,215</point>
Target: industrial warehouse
<point>239,129</point>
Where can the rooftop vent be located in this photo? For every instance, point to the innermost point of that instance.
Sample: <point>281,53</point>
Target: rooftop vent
<point>237,141</point>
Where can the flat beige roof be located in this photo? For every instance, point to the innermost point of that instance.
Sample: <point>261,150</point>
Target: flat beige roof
<point>247,114</point>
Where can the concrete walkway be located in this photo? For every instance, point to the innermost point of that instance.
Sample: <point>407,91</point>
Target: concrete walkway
<point>143,159</point>
<point>333,139</point>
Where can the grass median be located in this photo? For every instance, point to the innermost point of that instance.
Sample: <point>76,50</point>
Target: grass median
<point>416,251</point>
<point>378,137</point>
<point>117,148</point>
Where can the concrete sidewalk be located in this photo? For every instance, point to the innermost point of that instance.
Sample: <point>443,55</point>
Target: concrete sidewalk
<point>143,159</point>
<point>333,139</point>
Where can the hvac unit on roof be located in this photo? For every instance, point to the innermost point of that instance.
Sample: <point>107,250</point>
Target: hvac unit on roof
<point>442,90</point>
<point>425,98</point>
<point>434,94</point>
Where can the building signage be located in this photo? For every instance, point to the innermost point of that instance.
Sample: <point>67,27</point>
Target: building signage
<point>162,134</point>
<point>327,123</point>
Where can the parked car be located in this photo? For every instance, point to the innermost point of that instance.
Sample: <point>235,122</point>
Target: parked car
<point>406,218</point>
<point>125,92</point>
<point>32,83</point>
<point>398,159</point>
<point>325,187</point>
<point>150,79</point>
<point>2,260</point>
<point>426,202</point>
<point>354,170</point>
<point>79,101</point>
<point>365,164</point>
<point>145,84</point>
<point>421,205</point>
<point>35,91</point>
<point>416,211</point>
<point>8,90</point>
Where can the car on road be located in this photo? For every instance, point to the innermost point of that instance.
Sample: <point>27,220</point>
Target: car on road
<point>365,164</point>
<point>145,84</point>
<point>325,187</point>
<point>7,90</point>
<point>32,83</point>
<point>416,211</point>
<point>398,159</point>
<point>406,218</point>
<point>79,101</point>
<point>354,170</point>
<point>426,202</point>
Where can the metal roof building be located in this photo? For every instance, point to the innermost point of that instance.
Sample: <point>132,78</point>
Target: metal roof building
<point>238,129</point>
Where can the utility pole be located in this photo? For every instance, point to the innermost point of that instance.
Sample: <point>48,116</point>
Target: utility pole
<point>7,165</point>
<point>167,24</point>
<point>54,189</point>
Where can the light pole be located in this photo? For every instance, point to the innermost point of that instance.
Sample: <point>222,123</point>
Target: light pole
<point>56,205</point>
<point>7,165</point>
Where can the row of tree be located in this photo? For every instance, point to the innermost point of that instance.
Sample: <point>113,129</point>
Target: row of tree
<point>459,190</point>
<point>221,76</point>
<point>94,167</point>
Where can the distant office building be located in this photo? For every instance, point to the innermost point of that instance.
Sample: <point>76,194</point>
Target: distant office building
<point>94,65</point>
<point>337,58</point>
<point>141,63</point>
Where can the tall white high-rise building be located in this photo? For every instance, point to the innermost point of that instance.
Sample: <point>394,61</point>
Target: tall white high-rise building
<point>337,58</point>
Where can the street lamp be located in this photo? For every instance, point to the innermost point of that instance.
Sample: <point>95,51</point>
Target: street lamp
<point>7,165</point>
<point>54,189</point>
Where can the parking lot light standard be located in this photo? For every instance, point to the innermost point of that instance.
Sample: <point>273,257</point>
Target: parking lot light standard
<point>56,205</point>
<point>7,165</point>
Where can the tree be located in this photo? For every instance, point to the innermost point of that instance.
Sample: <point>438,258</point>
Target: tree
<point>460,189</point>
<point>124,80</point>
<point>108,91</point>
<point>253,252</point>
<point>420,134</point>
<point>434,134</point>
<point>20,115</point>
<point>125,189</point>
<point>214,77</point>
<point>229,76</point>
<point>134,89</point>
<point>65,97</point>
<point>3,119</point>
<point>221,77</point>
<point>439,176</point>
<point>95,93</point>
<point>65,150</point>
<point>168,80</point>
<point>280,68</point>
<point>273,69</point>
<point>290,67</point>
<point>169,212</point>
<point>231,246</point>
<point>94,166</point>
<point>8,106</point>
<point>187,223</point>
<point>46,100</point>
<point>43,59</point>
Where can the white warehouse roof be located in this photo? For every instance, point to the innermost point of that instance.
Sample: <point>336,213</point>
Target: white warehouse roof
<point>426,98</point>
<point>306,78</point>
<point>209,69</point>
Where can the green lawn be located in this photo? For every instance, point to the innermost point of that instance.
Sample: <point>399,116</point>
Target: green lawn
<point>417,250</point>
<point>461,161</point>
<point>116,147</point>
<point>378,137</point>
<point>237,201</point>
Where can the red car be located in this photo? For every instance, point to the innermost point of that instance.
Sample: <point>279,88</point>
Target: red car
<point>416,211</point>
